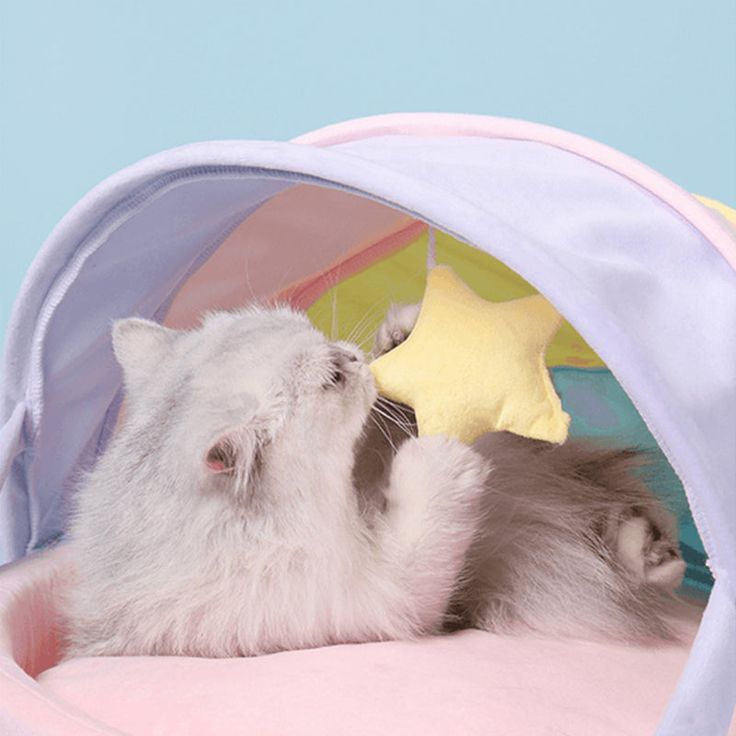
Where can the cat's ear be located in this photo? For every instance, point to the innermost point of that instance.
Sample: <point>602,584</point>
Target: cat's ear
<point>140,346</point>
<point>232,453</point>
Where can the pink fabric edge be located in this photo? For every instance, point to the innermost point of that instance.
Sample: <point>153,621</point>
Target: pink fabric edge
<point>450,124</point>
<point>25,706</point>
<point>304,293</point>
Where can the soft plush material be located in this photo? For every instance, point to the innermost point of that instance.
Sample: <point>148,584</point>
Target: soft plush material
<point>468,683</point>
<point>471,366</point>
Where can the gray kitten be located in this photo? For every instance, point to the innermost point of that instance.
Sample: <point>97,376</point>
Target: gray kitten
<point>572,542</point>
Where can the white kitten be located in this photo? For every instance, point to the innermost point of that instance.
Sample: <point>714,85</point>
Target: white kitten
<point>224,520</point>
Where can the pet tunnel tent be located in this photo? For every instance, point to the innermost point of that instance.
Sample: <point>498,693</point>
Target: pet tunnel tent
<point>644,271</point>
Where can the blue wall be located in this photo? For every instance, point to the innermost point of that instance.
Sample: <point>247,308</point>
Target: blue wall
<point>89,86</point>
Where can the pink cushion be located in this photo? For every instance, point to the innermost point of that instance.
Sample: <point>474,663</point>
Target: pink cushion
<point>470,683</point>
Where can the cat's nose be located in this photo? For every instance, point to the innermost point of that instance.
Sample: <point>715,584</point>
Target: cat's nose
<point>347,355</point>
<point>345,360</point>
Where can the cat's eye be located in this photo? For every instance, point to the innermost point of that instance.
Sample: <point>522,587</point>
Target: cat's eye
<point>335,378</point>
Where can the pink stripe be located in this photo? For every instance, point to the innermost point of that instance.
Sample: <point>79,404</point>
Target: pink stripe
<point>305,293</point>
<point>448,124</point>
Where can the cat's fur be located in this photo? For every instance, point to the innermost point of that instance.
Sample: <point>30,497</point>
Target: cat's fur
<point>229,516</point>
<point>223,520</point>
<point>572,542</point>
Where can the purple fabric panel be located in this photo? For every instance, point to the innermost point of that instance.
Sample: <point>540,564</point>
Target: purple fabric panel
<point>141,262</point>
<point>705,698</point>
<point>615,260</point>
<point>649,293</point>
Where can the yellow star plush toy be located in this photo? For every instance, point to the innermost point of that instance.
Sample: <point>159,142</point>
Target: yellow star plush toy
<point>471,366</point>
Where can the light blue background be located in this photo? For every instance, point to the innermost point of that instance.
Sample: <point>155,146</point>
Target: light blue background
<point>89,86</point>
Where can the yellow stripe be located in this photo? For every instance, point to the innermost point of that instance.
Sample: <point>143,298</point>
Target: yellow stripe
<point>360,302</point>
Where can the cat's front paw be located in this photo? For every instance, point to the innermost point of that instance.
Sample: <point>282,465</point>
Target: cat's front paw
<point>399,322</point>
<point>434,503</point>
<point>442,467</point>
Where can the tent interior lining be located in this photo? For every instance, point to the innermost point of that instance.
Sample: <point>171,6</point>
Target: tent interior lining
<point>163,226</point>
<point>235,269</point>
<point>156,250</point>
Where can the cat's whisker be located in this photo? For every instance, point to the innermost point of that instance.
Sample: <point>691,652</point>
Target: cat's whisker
<point>358,335</point>
<point>397,415</point>
<point>385,416</point>
<point>368,312</point>
<point>333,328</point>
<point>402,429</point>
<point>393,421</point>
<point>284,278</point>
<point>248,283</point>
<point>409,429</point>
<point>383,431</point>
<point>365,335</point>
<point>364,322</point>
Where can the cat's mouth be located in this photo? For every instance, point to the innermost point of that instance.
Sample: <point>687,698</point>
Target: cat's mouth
<point>349,373</point>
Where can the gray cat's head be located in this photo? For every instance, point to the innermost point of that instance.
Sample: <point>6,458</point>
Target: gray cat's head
<point>247,391</point>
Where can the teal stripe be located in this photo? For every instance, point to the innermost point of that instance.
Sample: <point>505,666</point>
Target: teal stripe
<point>601,409</point>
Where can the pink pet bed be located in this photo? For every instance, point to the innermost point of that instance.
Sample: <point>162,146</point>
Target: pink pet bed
<point>644,271</point>
<point>469,683</point>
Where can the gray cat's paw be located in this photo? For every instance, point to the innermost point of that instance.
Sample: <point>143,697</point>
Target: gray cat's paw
<point>399,322</point>
<point>646,552</point>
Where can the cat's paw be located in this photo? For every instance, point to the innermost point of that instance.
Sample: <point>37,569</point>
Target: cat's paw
<point>442,466</point>
<point>649,554</point>
<point>399,322</point>
<point>434,496</point>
